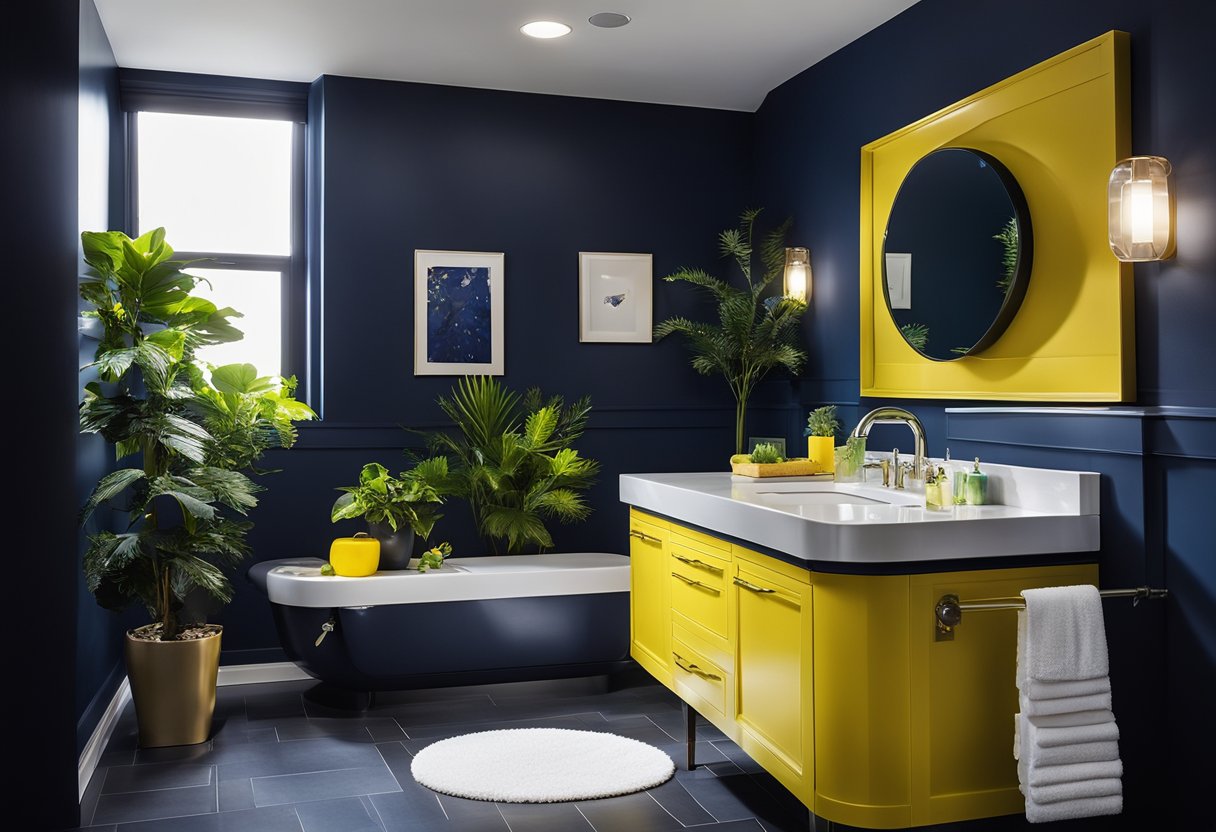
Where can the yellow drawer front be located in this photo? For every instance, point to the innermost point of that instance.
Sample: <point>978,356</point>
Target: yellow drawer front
<point>698,591</point>
<point>698,680</point>
<point>700,541</point>
<point>650,600</point>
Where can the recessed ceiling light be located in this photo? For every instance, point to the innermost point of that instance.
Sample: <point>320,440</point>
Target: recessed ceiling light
<point>608,20</point>
<point>545,29</point>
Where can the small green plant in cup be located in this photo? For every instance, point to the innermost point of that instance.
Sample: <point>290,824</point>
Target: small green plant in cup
<point>822,421</point>
<point>766,453</point>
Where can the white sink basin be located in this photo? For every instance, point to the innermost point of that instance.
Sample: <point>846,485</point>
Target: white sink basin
<point>1035,512</point>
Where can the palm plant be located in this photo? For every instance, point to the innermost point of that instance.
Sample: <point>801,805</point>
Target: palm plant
<point>754,334</point>
<point>196,435</point>
<point>511,459</point>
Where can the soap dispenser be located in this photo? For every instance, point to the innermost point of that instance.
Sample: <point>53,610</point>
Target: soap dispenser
<point>977,486</point>
<point>943,481</point>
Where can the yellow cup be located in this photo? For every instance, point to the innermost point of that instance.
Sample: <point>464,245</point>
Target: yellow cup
<point>821,451</point>
<point>355,557</point>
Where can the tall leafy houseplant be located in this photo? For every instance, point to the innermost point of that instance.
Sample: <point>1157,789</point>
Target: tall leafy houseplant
<point>512,460</point>
<point>754,334</point>
<point>396,508</point>
<point>192,434</point>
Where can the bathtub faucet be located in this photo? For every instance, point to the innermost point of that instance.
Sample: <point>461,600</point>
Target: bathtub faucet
<point>897,416</point>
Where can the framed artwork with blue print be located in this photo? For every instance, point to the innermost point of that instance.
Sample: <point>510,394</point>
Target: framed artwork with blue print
<point>458,313</point>
<point>614,297</point>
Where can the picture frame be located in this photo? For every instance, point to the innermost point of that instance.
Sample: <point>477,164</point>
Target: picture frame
<point>458,313</point>
<point>615,297</point>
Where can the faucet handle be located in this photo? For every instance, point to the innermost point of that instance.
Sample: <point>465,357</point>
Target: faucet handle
<point>902,470</point>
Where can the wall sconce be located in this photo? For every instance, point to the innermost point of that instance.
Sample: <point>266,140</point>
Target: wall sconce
<point>1141,219</point>
<point>798,273</point>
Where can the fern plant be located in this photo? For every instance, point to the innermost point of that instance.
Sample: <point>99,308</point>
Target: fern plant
<point>917,335</point>
<point>511,458</point>
<point>754,334</point>
<point>197,430</point>
<point>1008,238</point>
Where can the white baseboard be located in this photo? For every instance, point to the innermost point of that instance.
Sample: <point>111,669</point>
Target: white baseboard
<point>237,674</point>
<point>91,755</point>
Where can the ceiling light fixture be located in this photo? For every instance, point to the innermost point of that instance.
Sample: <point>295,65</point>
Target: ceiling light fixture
<point>608,20</point>
<point>545,29</point>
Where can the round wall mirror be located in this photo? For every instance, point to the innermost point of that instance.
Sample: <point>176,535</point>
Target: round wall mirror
<point>956,253</point>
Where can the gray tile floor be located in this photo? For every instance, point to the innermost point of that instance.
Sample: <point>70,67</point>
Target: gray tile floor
<point>279,763</point>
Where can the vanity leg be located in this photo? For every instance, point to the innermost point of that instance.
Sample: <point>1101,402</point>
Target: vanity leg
<point>690,737</point>
<point>818,824</point>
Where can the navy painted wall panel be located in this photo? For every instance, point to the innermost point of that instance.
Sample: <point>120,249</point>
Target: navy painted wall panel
<point>101,155</point>
<point>38,97</point>
<point>808,138</point>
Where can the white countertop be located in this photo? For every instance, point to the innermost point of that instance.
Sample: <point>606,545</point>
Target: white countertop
<point>1037,512</point>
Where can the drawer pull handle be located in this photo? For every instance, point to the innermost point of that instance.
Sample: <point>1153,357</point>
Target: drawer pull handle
<point>643,536</point>
<point>693,669</point>
<point>691,582</point>
<point>700,564</point>
<point>752,587</point>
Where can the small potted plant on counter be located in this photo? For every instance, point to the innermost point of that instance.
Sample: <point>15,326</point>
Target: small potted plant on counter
<point>198,431</point>
<point>397,509</point>
<point>821,428</point>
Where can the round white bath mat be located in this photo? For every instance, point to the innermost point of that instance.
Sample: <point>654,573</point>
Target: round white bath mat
<point>540,765</point>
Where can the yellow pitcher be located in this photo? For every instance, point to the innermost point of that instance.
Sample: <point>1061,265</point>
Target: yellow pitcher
<point>355,557</point>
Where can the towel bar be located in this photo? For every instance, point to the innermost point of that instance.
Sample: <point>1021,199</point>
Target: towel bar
<point>948,611</point>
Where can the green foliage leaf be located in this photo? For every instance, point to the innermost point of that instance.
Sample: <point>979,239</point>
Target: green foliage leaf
<point>240,378</point>
<point>109,487</point>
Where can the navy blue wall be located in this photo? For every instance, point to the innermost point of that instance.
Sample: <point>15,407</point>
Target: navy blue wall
<point>101,156</point>
<point>38,97</point>
<point>1158,465</point>
<point>398,167</point>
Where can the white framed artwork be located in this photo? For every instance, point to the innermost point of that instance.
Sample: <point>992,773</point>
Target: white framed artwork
<point>458,313</point>
<point>899,279</point>
<point>615,296</point>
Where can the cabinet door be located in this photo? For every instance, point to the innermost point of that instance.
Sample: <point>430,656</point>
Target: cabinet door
<point>773,696</point>
<point>650,599</point>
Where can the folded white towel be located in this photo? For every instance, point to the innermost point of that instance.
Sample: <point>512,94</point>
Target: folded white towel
<point>1067,705</point>
<point>1065,638</point>
<point>1052,775</point>
<point>1073,718</point>
<point>1085,808</point>
<point>1043,738</point>
<point>1076,790</point>
<point>1031,755</point>
<point>1061,690</point>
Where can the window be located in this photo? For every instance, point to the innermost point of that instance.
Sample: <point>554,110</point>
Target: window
<point>228,190</point>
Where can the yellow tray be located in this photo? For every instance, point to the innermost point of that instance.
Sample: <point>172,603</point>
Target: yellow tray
<point>790,468</point>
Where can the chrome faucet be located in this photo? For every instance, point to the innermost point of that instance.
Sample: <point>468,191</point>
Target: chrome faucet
<point>898,416</point>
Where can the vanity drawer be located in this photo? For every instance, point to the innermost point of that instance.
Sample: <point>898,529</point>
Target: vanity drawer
<point>698,589</point>
<point>700,681</point>
<point>700,541</point>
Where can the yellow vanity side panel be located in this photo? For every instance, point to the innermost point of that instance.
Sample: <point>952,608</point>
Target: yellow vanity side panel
<point>963,693</point>
<point>1059,126</point>
<point>649,596</point>
<point>862,712</point>
<point>774,671</point>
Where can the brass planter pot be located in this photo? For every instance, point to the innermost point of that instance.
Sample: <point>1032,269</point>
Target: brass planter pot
<point>173,685</point>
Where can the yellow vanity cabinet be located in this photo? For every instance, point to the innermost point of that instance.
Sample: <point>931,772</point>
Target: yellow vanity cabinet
<point>650,595</point>
<point>774,680</point>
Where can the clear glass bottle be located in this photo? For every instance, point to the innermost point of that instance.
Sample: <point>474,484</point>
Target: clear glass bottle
<point>933,491</point>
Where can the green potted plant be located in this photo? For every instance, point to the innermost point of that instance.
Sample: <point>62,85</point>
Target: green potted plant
<point>197,432</point>
<point>512,460</point>
<point>754,334</point>
<point>396,508</point>
<point>821,429</point>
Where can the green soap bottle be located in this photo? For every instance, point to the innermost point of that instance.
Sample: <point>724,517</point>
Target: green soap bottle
<point>977,486</point>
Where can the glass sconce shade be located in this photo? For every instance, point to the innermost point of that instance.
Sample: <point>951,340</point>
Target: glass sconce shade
<point>798,273</point>
<point>1141,219</point>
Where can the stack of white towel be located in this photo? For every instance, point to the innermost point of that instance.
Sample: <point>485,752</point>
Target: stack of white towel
<point>1065,738</point>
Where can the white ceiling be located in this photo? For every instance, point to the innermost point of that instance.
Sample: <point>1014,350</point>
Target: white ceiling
<point>725,54</point>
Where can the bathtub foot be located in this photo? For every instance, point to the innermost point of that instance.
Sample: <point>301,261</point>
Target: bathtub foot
<point>330,696</point>
<point>690,737</point>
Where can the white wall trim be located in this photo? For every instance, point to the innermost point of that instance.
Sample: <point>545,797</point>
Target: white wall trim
<point>237,674</point>
<point>91,755</point>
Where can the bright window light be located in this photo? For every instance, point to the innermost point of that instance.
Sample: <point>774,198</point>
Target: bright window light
<point>257,295</point>
<point>216,184</point>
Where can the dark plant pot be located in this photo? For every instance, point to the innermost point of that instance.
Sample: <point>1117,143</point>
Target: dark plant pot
<point>396,547</point>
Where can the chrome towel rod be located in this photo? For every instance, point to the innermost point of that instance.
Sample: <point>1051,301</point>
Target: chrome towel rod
<point>949,609</point>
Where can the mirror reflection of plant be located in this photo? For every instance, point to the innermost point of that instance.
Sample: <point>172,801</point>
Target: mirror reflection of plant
<point>822,421</point>
<point>413,498</point>
<point>197,433</point>
<point>917,335</point>
<point>1008,238</point>
<point>512,460</point>
<point>754,334</point>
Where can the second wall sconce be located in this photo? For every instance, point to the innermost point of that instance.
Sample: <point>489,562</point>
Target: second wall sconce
<point>1141,205</point>
<point>798,273</point>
